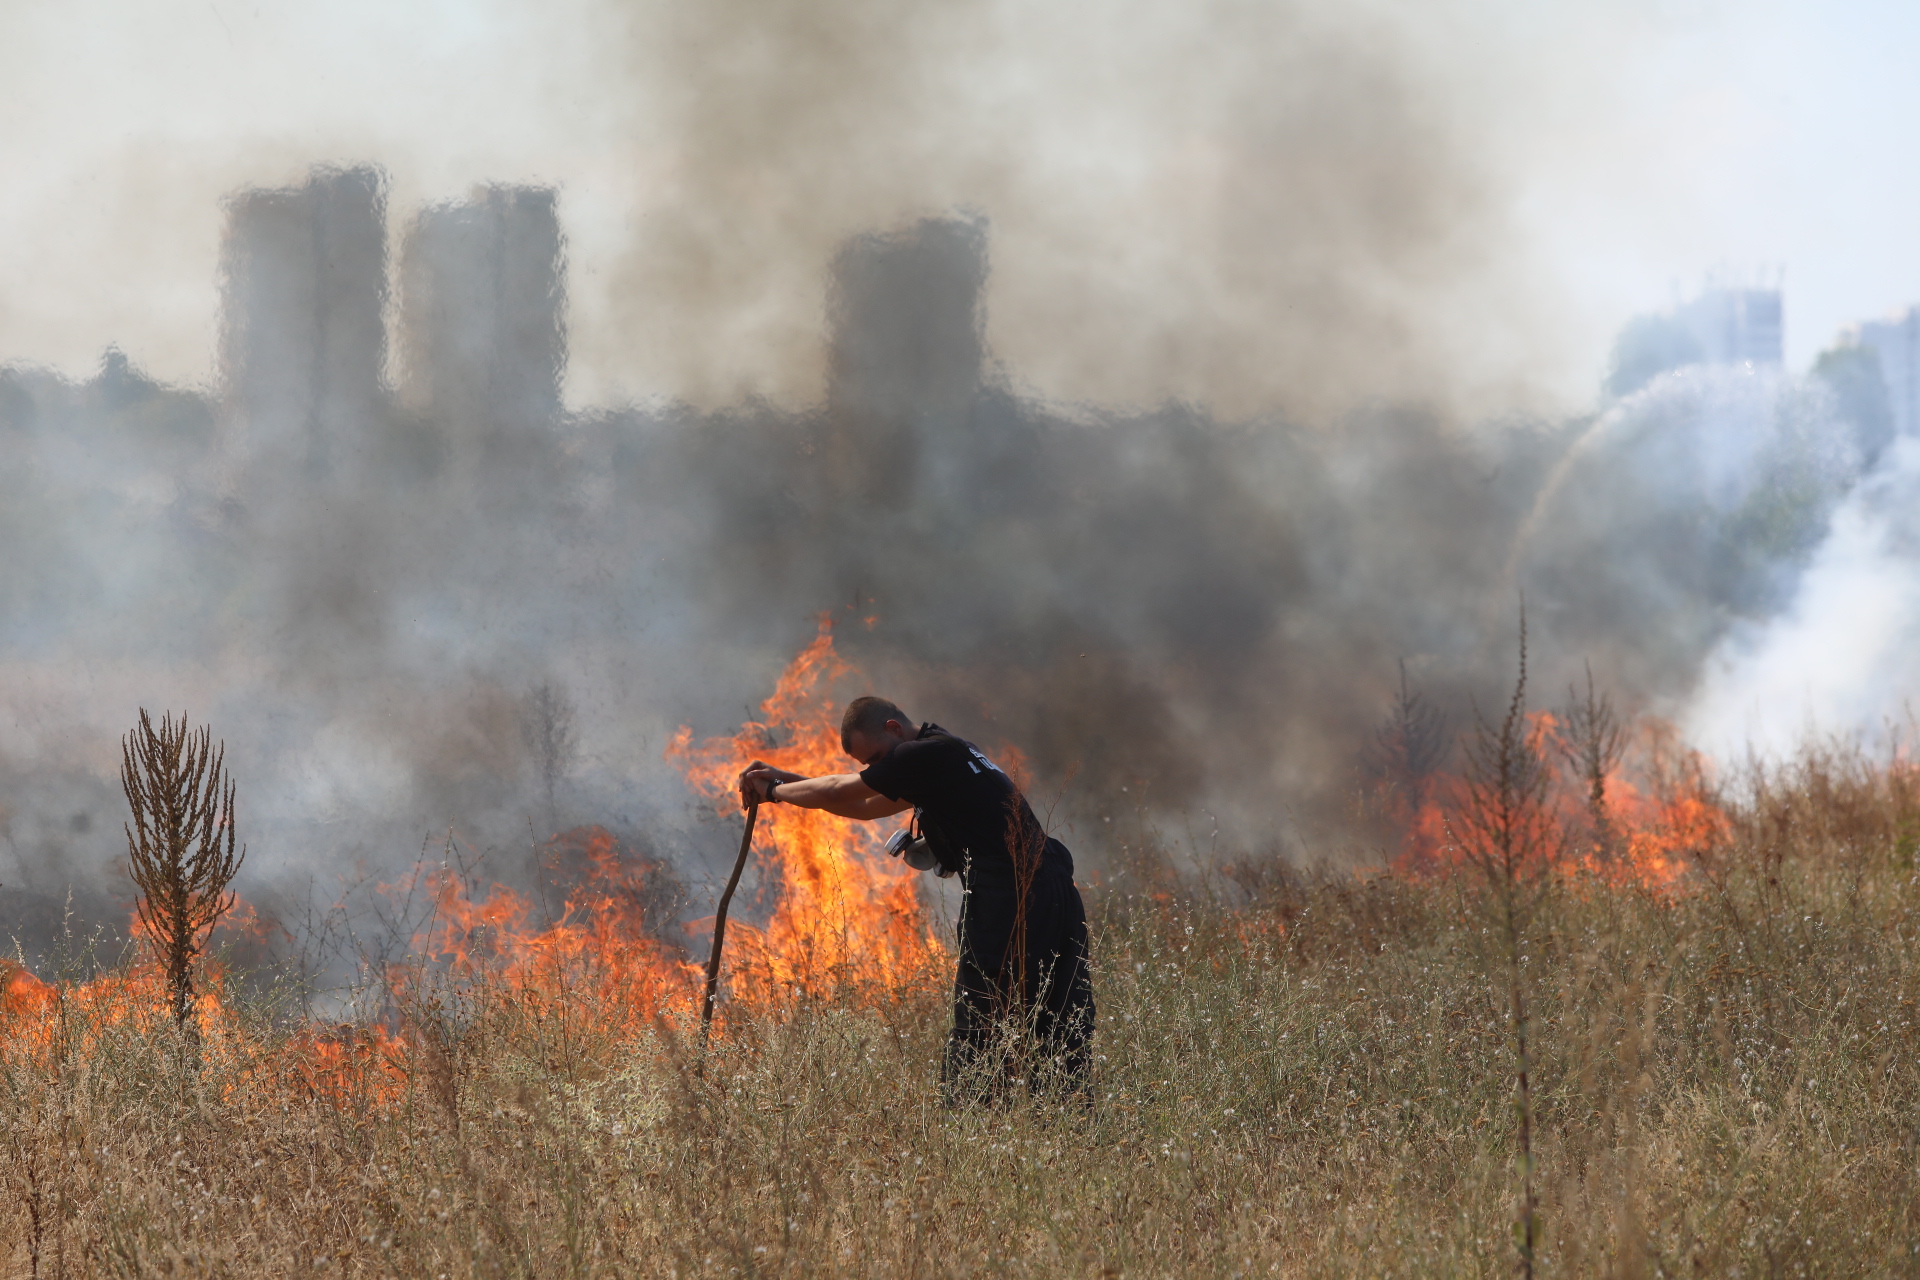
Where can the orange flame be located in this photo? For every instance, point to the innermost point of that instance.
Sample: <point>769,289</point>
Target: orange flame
<point>848,918</point>
<point>1658,816</point>
<point>845,921</point>
<point>595,965</point>
<point>44,1021</point>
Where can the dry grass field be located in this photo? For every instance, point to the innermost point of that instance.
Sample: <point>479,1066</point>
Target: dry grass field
<point>1298,1075</point>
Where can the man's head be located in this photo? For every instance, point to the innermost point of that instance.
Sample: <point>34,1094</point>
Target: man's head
<point>872,727</point>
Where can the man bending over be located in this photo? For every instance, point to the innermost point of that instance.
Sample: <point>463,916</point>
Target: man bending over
<point>1023,931</point>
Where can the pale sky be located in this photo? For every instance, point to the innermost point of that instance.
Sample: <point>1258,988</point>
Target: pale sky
<point>1254,205</point>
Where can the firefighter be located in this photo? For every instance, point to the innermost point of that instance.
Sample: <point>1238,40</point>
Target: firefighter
<point>1022,996</point>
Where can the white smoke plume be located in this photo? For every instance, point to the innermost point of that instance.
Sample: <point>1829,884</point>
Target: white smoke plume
<point>1843,657</point>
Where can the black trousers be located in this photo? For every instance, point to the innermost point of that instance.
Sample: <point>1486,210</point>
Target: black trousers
<point>1023,995</point>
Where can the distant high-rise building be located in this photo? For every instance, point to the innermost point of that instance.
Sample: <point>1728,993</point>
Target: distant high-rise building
<point>1897,342</point>
<point>1721,326</point>
<point>906,352</point>
<point>303,338</point>
<point>1736,326</point>
<point>482,331</point>
<point>906,320</point>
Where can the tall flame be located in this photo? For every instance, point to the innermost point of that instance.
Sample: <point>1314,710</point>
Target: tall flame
<point>847,918</point>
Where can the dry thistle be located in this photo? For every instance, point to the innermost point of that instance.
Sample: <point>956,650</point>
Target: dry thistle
<point>181,845</point>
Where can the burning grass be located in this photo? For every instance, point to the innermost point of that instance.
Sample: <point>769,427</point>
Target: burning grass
<point>1297,1075</point>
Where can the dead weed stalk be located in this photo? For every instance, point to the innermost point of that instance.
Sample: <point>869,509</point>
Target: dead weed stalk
<point>180,847</point>
<point>1506,830</point>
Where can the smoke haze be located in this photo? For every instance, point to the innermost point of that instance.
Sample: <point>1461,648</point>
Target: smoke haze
<point>1121,384</point>
<point>1256,206</point>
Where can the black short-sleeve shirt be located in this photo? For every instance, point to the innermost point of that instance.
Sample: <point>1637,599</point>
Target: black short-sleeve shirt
<point>968,807</point>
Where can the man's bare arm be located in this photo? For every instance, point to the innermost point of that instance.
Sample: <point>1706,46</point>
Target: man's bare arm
<point>843,794</point>
<point>836,793</point>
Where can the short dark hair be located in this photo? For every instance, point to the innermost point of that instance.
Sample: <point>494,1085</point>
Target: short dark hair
<point>869,715</point>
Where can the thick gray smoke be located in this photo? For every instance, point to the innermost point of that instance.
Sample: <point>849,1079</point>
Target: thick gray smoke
<point>1243,204</point>
<point>425,604</point>
<point>1246,203</point>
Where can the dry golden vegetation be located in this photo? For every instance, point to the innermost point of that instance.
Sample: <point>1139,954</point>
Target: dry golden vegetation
<point>1298,1075</point>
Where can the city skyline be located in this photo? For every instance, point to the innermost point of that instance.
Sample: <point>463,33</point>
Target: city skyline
<point>1265,207</point>
<point>319,321</point>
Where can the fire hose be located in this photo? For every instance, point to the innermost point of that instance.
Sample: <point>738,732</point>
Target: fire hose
<point>720,929</point>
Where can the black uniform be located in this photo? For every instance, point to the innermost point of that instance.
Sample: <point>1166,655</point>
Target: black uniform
<point>1023,930</point>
